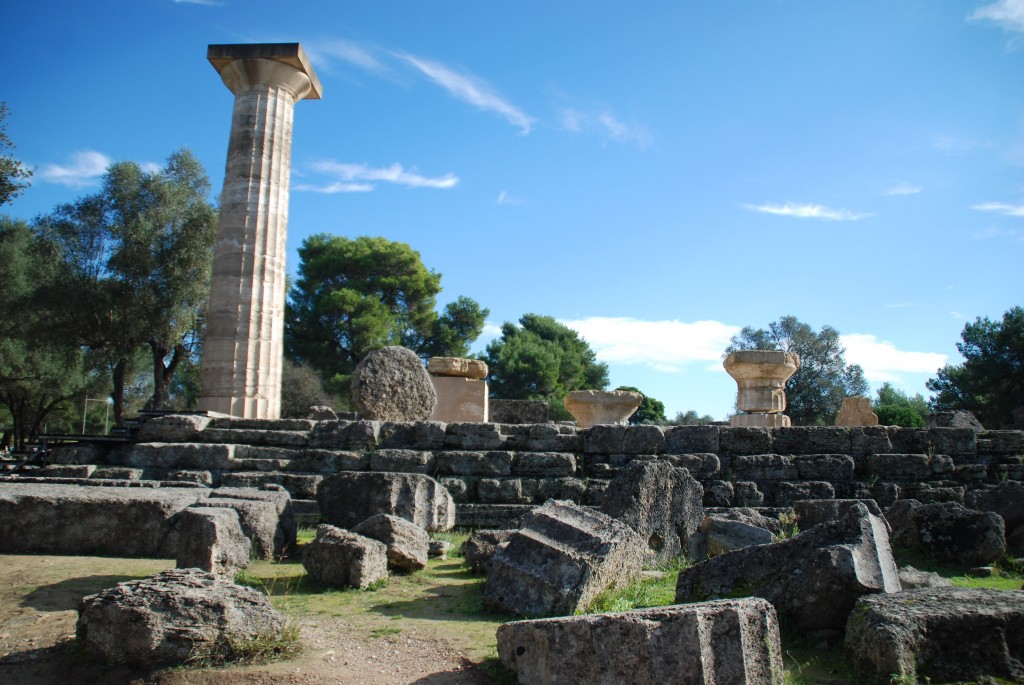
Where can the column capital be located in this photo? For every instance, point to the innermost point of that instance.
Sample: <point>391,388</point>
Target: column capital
<point>224,59</point>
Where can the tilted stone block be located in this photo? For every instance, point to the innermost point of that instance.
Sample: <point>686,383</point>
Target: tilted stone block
<point>560,560</point>
<point>730,642</point>
<point>260,523</point>
<point>946,634</point>
<point>812,579</point>
<point>811,512</point>
<point>478,549</point>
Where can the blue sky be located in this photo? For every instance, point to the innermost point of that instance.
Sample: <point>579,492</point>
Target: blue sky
<point>656,175</point>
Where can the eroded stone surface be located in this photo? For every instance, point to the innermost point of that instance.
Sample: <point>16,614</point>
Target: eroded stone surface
<point>856,411</point>
<point>341,558</point>
<point>478,549</point>
<point>408,544</point>
<point>348,498</point>
<point>164,618</point>
<point>948,634</point>
<point>390,384</point>
<point>211,539</point>
<point>729,642</point>
<point>600,407</point>
<point>560,559</point>
<point>457,366</point>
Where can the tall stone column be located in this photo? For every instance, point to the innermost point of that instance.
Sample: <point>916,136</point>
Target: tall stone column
<point>241,370</point>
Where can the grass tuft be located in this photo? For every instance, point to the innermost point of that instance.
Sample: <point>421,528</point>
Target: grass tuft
<point>256,649</point>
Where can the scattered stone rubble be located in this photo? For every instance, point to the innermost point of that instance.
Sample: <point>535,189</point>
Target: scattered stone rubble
<point>171,616</point>
<point>561,558</point>
<point>947,634</point>
<point>729,642</point>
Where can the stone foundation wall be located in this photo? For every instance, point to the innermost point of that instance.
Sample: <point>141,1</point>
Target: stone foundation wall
<point>498,469</point>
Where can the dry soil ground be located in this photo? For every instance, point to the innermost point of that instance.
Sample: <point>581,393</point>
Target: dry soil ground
<point>414,630</point>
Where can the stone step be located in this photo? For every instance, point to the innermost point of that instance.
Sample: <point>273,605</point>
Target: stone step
<point>244,436</point>
<point>298,485</point>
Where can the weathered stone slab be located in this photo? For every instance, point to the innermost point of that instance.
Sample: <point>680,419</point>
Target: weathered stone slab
<point>740,440</point>
<point>173,428</point>
<point>69,519</point>
<point>465,463</point>
<point>701,466</point>
<point>830,467</point>
<point>260,523</point>
<point>947,530</point>
<point>946,634</point>
<point>811,512</point>
<point>547,464</point>
<point>402,461</point>
<point>460,400</point>
<point>958,418</point>
<point>198,456</point>
<point>1005,499</point>
<point>300,485</point>
<point>788,493</point>
<point>811,440</point>
<point>718,535</point>
<point>603,439</point>
<point>390,384</point>
<point>730,642</point>
<point>896,466</point>
<point>407,544</point>
<point>478,549</point>
<point>457,367</point>
<point>211,539</point>
<point>518,411</point>
<point>760,467</point>
<point>663,504</point>
<point>643,439</point>
<point>473,436</point>
<point>560,560</point>
<point>911,579</point>
<point>869,440</point>
<point>812,579</point>
<point>412,435</point>
<point>345,435</point>
<point>340,558</point>
<point>691,439</point>
<point>167,617</point>
<point>348,498</point>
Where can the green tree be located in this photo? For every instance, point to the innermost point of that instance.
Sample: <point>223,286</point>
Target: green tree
<point>301,388</point>
<point>40,373</point>
<point>136,259</point>
<point>990,382</point>
<point>692,418</point>
<point>896,408</point>
<point>353,296</point>
<point>540,359</point>
<point>814,394</point>
<point>14,175</point>
<point>650,409</point>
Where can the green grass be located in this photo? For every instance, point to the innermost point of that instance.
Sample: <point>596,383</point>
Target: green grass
<point>254,649</point>
<point>1009,575</point>
<point>455,538</point>
<point>641,593</point>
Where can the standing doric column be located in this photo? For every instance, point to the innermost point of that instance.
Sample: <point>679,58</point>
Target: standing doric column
<point>241,372</point>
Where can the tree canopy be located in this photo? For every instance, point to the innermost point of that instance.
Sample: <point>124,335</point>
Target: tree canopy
<point>895,408</point>
<point>135,260</point>
<point>541,359</point>
<point>815,393</point>
<point>14,175</point>
<point>990,382</point>
<point>355,295</point>
<point>650,409</point>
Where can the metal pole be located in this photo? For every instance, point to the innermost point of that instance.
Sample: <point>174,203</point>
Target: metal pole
<point>106,421</point>
<point>85,411</point>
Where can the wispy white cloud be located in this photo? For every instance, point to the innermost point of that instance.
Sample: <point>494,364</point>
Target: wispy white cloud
<point>904,189</point>
<point>605,124</point>
<point>882,361</point>
<point>667,345</point>
<point>1000,208</point>
<point>323,51</point>
<point>357,178</point>
<point>997,232</point>
<point>955,145</point>
<point>85,169</point>
<point>802,211</point>
<point>506,199</point>
<point>1008,14</point>
<point>955,314</point>
<point>472,90</point>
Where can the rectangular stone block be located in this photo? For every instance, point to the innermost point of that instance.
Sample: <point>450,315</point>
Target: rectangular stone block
<point>643,440</point>
<point>402,461</point>
<point>700,466</point>
<point>459,400</point>
<point>726,642</point>
<point>345,435</point>
<point>182,455</point>
<point>411,435</point>
<point>541,437</point>
<point>473,436</point>
<point>518,411</point>
<point>895,466</point>
<point>762,467</point>
<point>549,464</point>
<point>300,486</point>
<point>869,440</point>
<point>691,439</point>
<point>744,441</point>
<point>603,439</point>
<point>787,492</point>
<point>1000,442</point>
<point>464,463</point>
<point>831,467</point>
<point>908,440</point>
<point>812,440</point>
<point>956,442</point>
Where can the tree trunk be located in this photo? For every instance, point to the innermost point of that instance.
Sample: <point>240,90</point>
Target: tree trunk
<point>120,370</point>
<point>162,374</point>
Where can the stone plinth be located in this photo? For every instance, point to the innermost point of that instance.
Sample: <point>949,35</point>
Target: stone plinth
<point>458,367</point>
<point>761,377</point>
<point>856,411</point>
<point>599,407</point>
<point>241,370</point>
<point>459,400</point>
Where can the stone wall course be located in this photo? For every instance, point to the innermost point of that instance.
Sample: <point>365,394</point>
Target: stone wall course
<point>831,467</point>
<point>402,461</point>
<point>546,464</point>
<point>812,440</point>
<point>736,441</point>
<point>762,467</point>
<point>473,436</point>
<point>469,463</point>
<point>691,439</point>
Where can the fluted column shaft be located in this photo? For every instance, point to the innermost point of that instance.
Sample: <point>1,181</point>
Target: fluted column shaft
<point>242,354</point>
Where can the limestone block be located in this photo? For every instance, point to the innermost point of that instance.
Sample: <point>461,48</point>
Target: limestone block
<point>458,367</point>
<point>478,549</point>
<point>560,560</point>
<point>211,539</point>
<point>165,618</point>
<point>691,439</point>
<point>465,463</point>
<point>407,544</point>
<point>730,642</point>
<point>760,421</point>
<point>347,498</point>
<point>390,384</point>
<point>759,467</point>
<point>460,400</point>
<point>801,440</point>
<point>173,428</point>
<point>643,439</point>
<point>736,440</point>
<point>340,558</point>
<point>518,411</point>
<point>788,493</point>
<point>604,439</point>
<point>260,522</point>
<point>548,464</point>
<point>414,435</point>
<point>811,512</point>
<point>812,579</point>
<point>402,461</point>
<point>702,466</point>
<point>595,407</point>
<point>831,467</point>
<point>944,634</point>
<point>856,411</point>
<point>473,436</point>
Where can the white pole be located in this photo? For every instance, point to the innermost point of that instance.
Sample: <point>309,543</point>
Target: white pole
<point>85,411</point>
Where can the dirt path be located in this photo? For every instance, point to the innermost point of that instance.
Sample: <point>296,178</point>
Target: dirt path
<point>347,637</point>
